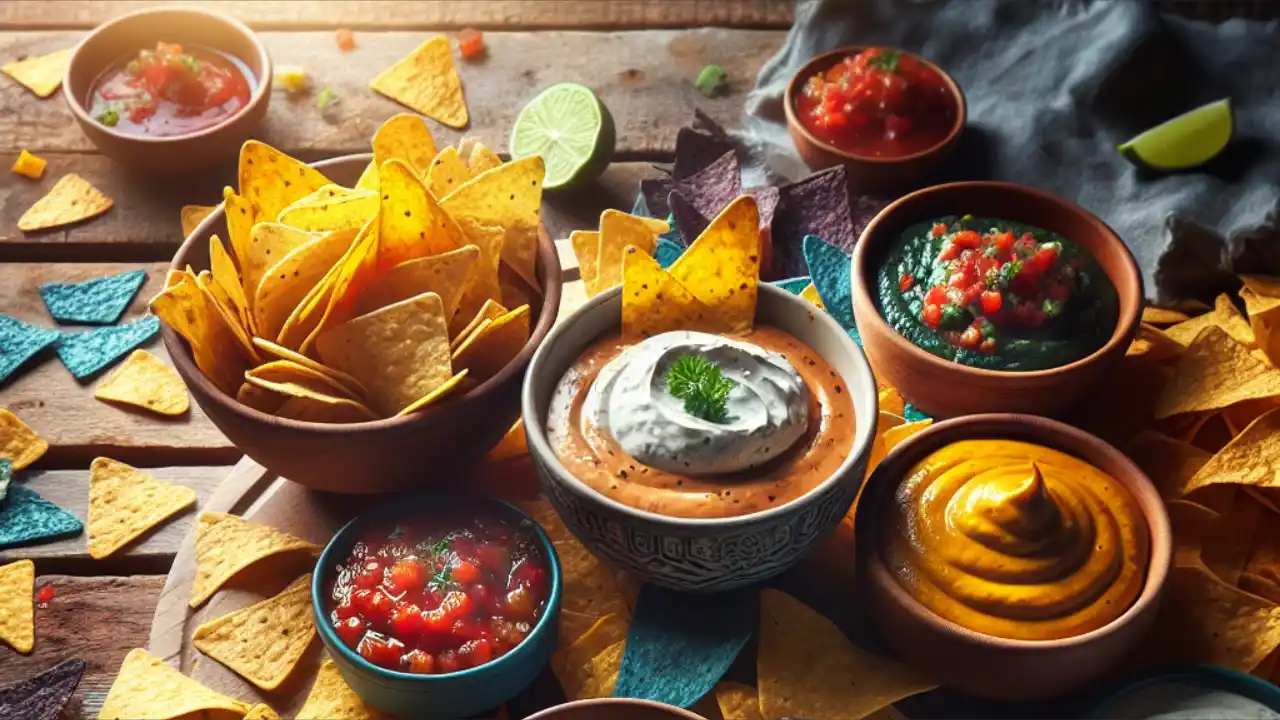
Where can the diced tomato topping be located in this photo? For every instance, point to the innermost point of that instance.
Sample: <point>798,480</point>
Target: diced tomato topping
<point>406,620</point>
<point>464,573</point>
<point>520,602</point>
<point>405,574</point>
<point>949,251</point>
<point>345,609</point>
<point>370,576</point>
<point>1043,259</point>
<point>447,662</point>
<point>1003,242</point>
<point>45,594</point>
<point>351,630</point>
<point>381,650</point>
<point>470,43</point>
<point>441,620</point>
<point>475,652</point>
<point>346,39</point>
<point>939,230</point>
<point>420,661</point>
<point>988,346</point>
<point>936,296</point>
<point>932,315</point>
<point>971,338</point>
<point>991,302</point>
<point>905,282</point>
<point>967,239</point>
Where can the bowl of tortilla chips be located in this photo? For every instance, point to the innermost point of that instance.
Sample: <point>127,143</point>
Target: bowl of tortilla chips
<point>367,326</point>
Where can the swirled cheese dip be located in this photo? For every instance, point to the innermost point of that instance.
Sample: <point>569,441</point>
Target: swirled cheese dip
<point>1016,540</point>
<point>616,427</point>
<point>1185,701</point>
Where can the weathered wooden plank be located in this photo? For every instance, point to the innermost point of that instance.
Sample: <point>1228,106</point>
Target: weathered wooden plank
<point>96,619</point>
<point>153,553</point>
<point>64,411</point>
<point>436,14</point>
<point>143,225</point>
<point>645,78</point>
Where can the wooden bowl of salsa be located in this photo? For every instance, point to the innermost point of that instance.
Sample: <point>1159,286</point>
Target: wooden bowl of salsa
<point>169,91</point>
<point>890,117</point>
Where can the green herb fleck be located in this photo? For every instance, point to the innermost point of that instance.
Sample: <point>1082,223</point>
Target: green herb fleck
<point>886,60</point>
<point>190,61</point>
<point>1008,272</point>
<point>443,581</point>
<point>327,96</point>
<point>439,547</point>
<point>1051,308</point>
<point>954,317</point>
<point>110,118</point>
<point>704,389</point>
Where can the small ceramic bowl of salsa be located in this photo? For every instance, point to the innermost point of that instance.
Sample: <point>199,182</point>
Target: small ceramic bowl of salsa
<point>438,601</point>
<point>169,91</point>
<point>890,117</point>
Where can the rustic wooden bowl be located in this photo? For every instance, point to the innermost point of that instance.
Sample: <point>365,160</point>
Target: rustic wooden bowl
<point>126,35</point>
<point>614,709</point>
<point>417,451</point>
<point>945,389</point>
<point>868,174</point>
<point>980,664</point>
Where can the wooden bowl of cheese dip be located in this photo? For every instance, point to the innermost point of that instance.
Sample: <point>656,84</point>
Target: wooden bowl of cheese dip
<point>680,503</point>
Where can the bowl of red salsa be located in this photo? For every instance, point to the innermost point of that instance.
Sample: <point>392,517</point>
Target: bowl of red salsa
<point>887,115</point>
<point>169,91</point>
<point>438,601</point>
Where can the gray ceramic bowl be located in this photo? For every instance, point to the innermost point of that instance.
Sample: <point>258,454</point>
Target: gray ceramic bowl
<point>614,709</point>
<point>700,555</point>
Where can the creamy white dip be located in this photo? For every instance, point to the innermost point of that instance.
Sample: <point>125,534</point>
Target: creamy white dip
<point>1182,701</point>
<point>768,408</point>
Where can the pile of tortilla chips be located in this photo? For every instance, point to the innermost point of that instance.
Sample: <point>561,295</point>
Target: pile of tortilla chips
<point>345,304</point>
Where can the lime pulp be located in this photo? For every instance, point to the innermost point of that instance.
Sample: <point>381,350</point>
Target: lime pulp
<point>570,128</point>
<point>1187,141</point>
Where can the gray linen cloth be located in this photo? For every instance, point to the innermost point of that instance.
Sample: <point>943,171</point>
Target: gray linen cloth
<point>1052,88</point>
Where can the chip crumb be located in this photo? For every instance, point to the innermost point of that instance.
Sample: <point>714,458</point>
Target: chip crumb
<point>28,165</point>
<point>346,39</point>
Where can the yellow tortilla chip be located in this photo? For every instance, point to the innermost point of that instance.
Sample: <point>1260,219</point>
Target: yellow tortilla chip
<point>446,173</point>
<point>404,137</point>
<point>352,274</point>
<point>1163,316</point>
<point>722,267</point>
<point>321,408</point>
<point>446,275</point>
<point>71,200</point>
<point>18,442</point>
<point>399,352</point>
<point>1216,372</point>
<point>1264,320</point>
<point>192,216</point>
<point>810,293</point>
<point>263,642</point>
<point>807,668</point>
<point>737,701</point>
<point>617,231</point>
<point>125,502</point>
<point>1224,315</point>
<point>1238,416</point>
<point>226,315</point>
<point>514,444</point>
<point>485,284</point>
<point>368,179</point>
<point>144,380</point>
<point>440,393</point>
<point>352,386</point>
<point>588,668</point>
<point>1190,523</point>
<point>1260,586</point>
<point>227,278</point>
<point>286,284</point>
<point>897,434</point>
<point>1252,458</point>
<point>41,74</point>
<point>586,246</point>
<point>411,223</point>
<point>1170,463</point>
<point>269,244</point>
<point>654,302</point>
<point>272,180</point>
<point>343,209</point>
<point>192,313</point>
<point>489,311</point>
<point>490,348</point>
<point>1226,546</point>
<point>147,687</point>
<point>294,379</point>
<point>1151,343</point>
<point>1263,285</point>
<point>242,214</point>
<point>427,81</point>
<point>260,399</point>
<point>227,544</point>
<point>482,159</point>
<point>17,608</point>
<point>332,699</point>
<point>509,197</point>
<point>573,625</point>
<point>890,401</point>
<point>261,711</point>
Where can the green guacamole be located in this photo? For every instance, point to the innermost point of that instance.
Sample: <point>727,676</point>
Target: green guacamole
<point>996,294</point>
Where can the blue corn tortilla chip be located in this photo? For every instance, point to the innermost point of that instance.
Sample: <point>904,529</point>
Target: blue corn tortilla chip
<point>817,205</point>
<point>696,149</point>
<point>6,477</point>
<point>712,188</point>
<point>831,272</point>
<point>654,191</point>
<point>44,696</point>
<point>667,252</point>
<point>87,353</point>
<point>680,645</point>
<point>26,519</point>
<point>686,219</point>
<point>796,285</point>
<point>93,302</point>
<point>19,342</point>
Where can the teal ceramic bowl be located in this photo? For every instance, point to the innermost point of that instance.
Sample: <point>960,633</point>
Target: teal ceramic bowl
<point>450,695</point>
<point>1209,678</point>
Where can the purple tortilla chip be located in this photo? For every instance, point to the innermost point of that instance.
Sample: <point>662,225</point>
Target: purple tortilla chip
<point>767,203</point>
<point>688,221</point>
<point>817,205</point>
<point>696,150</point>
<point>655,191</point>
<point>44,696</point>
<point>712,188</point>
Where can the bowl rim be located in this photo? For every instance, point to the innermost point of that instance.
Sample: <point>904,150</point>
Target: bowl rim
<point>1129,288</point>
<point>257,97</point>
<point>342,541</point>
<point>829,58</point>
<point>552,712</point>
<point>1211,677</point>
<point>180,351</point>
<point>998,425</point>
<point>540,448</point>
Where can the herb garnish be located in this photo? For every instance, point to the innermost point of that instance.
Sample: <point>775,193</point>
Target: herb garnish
<point>443,582</point>
<point>704,389</point>
<point>327,96</point>
<point>110,118</point>
<point>886,60</point>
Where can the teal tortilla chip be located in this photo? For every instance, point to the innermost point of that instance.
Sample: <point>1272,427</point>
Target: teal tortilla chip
<point>26,519</point>
<point>93,302</point>
<point>19,342</point>
<point>86,353</point>
<point>667,252</point>
<point>43,696</point>
<point>796,285</point>
<point>6,477</point>
<point>680,645</point>
<point>832,276</point>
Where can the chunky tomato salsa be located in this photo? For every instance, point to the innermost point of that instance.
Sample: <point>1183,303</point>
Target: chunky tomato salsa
<point>172,90</point>
<point>996,294</point>
<point>878,103</point>
<point>436,597</point>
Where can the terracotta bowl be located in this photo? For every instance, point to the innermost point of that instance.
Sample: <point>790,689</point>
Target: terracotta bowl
<point>695,554</point>
<point>614,709</point>
<point>124,37</point>
<point>868,174</point>
<point>980,664</point>
<point>417,451</point>
<point>944,389</point>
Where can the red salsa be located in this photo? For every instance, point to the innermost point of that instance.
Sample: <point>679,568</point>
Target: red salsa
<point>878,103</point>
<point>437,597</point>
<point>170,91</point>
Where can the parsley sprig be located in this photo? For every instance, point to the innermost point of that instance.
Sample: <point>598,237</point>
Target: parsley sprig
<point>886,60</point>
<point>704,389</point>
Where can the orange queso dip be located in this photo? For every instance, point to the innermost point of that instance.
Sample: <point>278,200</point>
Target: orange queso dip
<point>698,425</point>
<point>1016,540</point>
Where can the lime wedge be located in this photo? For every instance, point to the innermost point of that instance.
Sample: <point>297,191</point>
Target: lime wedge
<point>1191,139</point>
<point>571,129</point>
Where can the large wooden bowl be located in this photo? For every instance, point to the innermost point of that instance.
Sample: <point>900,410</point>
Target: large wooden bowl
<point>421,450</point>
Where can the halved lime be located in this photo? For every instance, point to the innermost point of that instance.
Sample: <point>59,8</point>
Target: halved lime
<point>571,129</point>
<point>1191,139</point>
